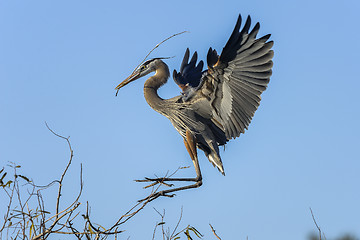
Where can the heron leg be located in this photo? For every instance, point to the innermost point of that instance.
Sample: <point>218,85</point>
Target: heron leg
<point>190,144</point>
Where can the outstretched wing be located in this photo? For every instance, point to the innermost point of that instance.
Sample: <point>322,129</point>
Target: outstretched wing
<point>190,74</point>
<point>235,80</point>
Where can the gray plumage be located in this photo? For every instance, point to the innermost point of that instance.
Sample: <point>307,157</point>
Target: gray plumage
<point>219,103</point>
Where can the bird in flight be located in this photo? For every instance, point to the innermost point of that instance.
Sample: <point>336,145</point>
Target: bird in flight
<point>216,105</point>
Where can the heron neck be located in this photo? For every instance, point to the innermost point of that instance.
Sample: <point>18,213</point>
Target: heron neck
<point>153,84</point>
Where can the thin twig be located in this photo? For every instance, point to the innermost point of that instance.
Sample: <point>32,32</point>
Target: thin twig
<point>60,214</point>
<point>11,196</point>
<point>67,167</point>
<point>317,226</point>
<point>162,222</point>
<point>178,223</point>
<point>156,225</point>
<point>17,190</point>
<point>113,230</point>
<point>156,46</point>
<point>213,230</point>
<point>42,211</point>
<point>49,230</point>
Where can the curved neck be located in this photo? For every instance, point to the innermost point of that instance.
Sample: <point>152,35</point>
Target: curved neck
<point>153,83</point>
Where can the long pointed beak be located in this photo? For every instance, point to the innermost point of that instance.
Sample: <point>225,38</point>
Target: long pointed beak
<point>135,75</point>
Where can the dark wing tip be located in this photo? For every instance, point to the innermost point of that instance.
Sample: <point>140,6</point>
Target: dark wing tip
<point>238,24</point>
<point>190,73</point>
<point>200,66</point>
<point>247,25</point>
<point>212,57</point>
<point>229,51</point>
<point>185,59</point>
<point>265,38</point>
<point>255,30</point>
<point>235,34</point>
<point>239,39</point>
<point>176,77</point>
<point>193,59</point>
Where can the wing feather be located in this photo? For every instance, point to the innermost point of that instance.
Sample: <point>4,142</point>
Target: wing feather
<point>190,75</point>
<point>234,84</point>
<point>256,62</point>
<point>229,92</point>
<point>259,68</point>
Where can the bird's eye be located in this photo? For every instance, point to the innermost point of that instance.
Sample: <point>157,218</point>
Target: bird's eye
<point>142,67</point>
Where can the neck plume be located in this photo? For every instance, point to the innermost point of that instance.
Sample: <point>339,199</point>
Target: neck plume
<point>154,83</point>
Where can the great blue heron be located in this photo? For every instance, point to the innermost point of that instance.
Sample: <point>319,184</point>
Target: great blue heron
<point>216,104</point>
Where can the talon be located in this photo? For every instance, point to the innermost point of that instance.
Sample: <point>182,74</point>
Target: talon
<point>167,184</point>
<point>170,195</point>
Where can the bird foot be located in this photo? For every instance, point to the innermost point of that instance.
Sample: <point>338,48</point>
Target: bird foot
<point>166,192</point>
<point>155,182</point>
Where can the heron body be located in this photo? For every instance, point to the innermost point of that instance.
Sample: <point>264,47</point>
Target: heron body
<point>217,104</point>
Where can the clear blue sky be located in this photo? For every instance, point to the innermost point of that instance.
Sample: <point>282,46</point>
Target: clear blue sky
<point>60,62</point>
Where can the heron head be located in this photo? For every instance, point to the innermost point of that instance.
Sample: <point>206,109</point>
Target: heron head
<point>143,70</point>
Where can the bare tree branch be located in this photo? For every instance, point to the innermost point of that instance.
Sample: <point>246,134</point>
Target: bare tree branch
<point>24,221</point>
<point>178,223</point>
<point>213,230</point>
<point>317,226</point>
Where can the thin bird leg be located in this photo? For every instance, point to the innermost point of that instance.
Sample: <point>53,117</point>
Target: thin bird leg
<point>190,144</point>
<point>189,149</point>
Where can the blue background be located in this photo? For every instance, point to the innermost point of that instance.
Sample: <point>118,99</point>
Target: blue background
<point>60,62</point>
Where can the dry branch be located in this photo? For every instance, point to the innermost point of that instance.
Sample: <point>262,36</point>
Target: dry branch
<point>213,230</point>
<point>23,220</point>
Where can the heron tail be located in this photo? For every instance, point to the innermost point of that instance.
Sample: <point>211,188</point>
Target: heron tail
<point>215,159</point>
<point>209,144</point>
